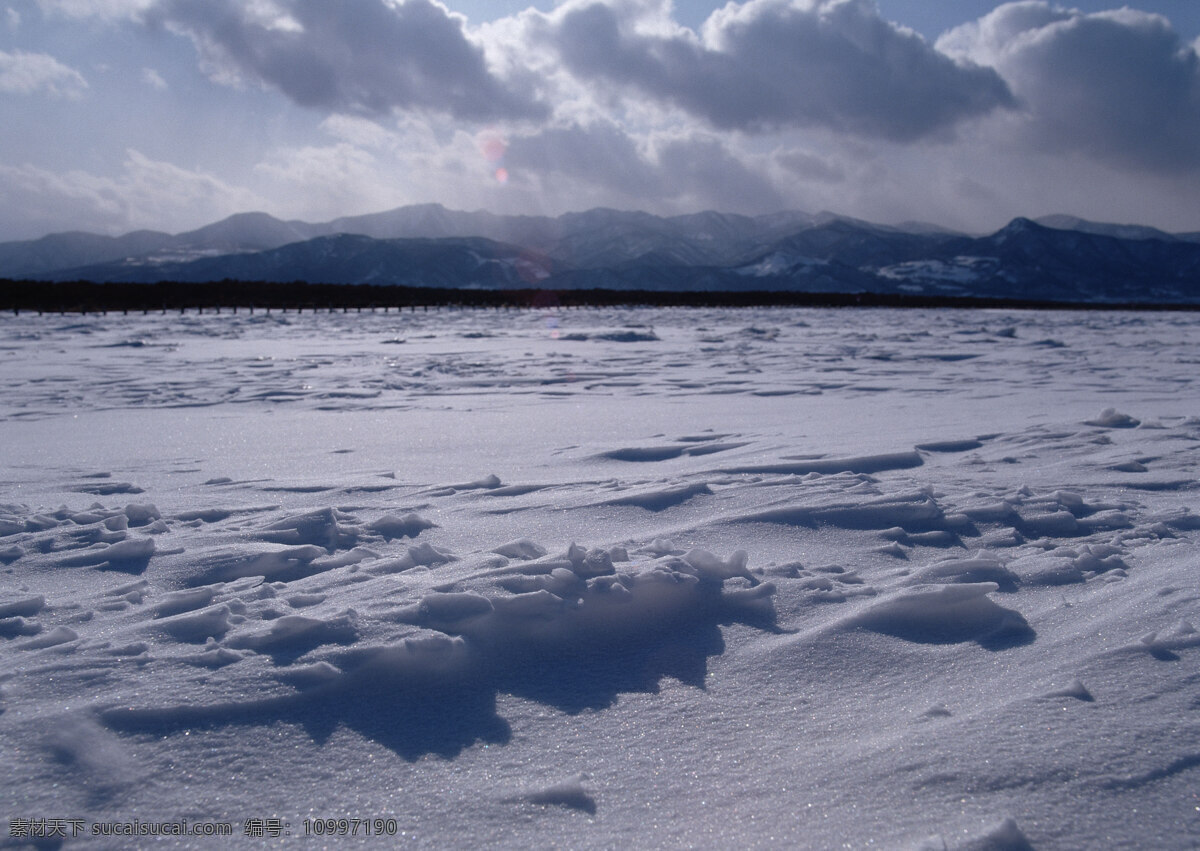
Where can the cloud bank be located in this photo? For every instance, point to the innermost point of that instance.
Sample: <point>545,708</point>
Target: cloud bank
<point>770,104</point>
<point>145,192</point>
<point>28,73</point>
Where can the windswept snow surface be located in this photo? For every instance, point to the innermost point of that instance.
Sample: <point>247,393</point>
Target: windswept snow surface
<point>628,578</point>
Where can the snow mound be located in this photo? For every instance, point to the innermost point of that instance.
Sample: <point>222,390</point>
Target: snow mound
<point>1112,418</point>
<point>577,634</point>
<point>945,614</point>
<point>1005,836</point>
<point>570,793</point>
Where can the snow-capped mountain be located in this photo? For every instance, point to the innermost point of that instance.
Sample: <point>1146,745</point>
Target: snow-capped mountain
<point>346,259</point>
<point>1058,258</point>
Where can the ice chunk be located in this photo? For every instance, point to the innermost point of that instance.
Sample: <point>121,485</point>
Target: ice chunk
<point>309,676</point>
<point>40,523</point>
<point>198,627</point>
<point>1076,690</point>
<point>354,556</point>
<point>589,563</point>
<point>982,567</point>
<point>427,555</point>
<point>610,586</point>
<point>521,548</point>
<point>713,569</point>
<point>950,446</point>
<point>108,488</point>
<point>569,793</point>
<point>644,453</point>
<point>917,509</point>
<point>395,526</point>
<point>533,606</point>
<point>1045,569</point>
<point>853,464</point>
<point>141,515</point>
<point>661,547</point>
<point>183,601</point>
<point>627,336</point>
<point>660,499</point>
<point>1005,836</point>
<point>1050,523</point>
<point>136,648</point>
<point>487,482</point>
<point>206,515</point>
<point>131,555</point>
<point>450,607</point>
<point>53,638</point>
<point>18,626</point>
<point>1112,418</point>
<point>10,525</point>
<point>215,657</point>
<point>23,607</point>
<point>294,635</point>
<point>79,742</point>
<point>284,565</point>
<point>324,528</point>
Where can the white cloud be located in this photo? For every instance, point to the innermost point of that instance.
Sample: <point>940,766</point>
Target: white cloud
<point>316,182</point>
<point>153,79</point>
<point>112,9</point>
<point>601,164</point>
<point>28,73</point>
<point>370,168</point>
<point>146,194</point>
<point>1119,86</point>
<point>358,131</point>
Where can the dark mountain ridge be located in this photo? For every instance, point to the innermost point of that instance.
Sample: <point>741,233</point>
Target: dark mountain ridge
<point>431,246</point>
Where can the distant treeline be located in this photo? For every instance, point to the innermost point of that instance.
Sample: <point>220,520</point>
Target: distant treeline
<point>88,297</point>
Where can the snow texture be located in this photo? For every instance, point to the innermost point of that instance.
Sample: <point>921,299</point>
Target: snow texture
<point>606,578</point>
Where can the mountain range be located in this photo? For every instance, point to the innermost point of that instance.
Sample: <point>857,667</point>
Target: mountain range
<point>1056,258</point>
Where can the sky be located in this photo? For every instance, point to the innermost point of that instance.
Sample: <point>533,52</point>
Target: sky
<point>120,115</point>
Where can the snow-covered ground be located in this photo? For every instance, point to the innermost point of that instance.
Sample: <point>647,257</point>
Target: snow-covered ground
<point>628,578</point>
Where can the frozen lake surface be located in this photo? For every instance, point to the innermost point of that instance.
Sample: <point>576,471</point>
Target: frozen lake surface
<point>604,578</point>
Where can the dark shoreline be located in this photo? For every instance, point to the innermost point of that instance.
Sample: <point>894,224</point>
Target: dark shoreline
<point>88,297</point>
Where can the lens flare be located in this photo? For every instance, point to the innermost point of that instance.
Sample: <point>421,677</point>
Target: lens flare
<point>492,147</point>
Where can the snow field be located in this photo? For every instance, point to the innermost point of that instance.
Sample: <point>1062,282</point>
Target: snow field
<point>607,578</point>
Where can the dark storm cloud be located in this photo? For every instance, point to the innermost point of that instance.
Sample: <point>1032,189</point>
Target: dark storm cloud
<point>706,169</point>
<point>1119,86</point>
<point>600,154</point>
<point>359,56</point>
<point>774,63</point>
